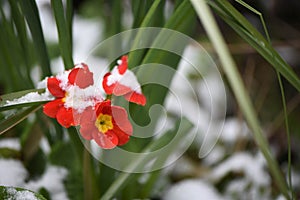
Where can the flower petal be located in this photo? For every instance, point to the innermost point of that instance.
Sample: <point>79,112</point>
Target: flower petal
<point>65,117</point>
<point>51,108</point>
<point>87,123</point>
<point>81,76</point>
<point>107,141</point>
<point>135,97</point>
<point>120,89</point>
<point>103,107</point>
<point>124,65</point>
<point>86,131</point>
<point>107,88</point>
<point>123,138</point>
<point>54,88</point>
<point>120,119</point>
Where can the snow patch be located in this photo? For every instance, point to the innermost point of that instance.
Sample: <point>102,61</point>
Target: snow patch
<point>127,79</point>
<point>233,130</point>
<point>12,173</point>
<point>251,166</point>
<point>20,195</point>
<point>11,143</point>
<point>30,97</point>
<point>52,180</point>
<point>79,99</point>
<point>191,190</point>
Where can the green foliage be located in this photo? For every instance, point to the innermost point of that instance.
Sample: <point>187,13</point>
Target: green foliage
<point>21,50</point>
<point>17,193</point>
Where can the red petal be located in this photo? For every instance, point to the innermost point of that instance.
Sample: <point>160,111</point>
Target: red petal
<point>120,119</point>
<point>54,88</point>
<point>82,77</point>
<point>51,108</point>
<point>107,88</point>
<point>120,89</point>
<point>107,141</point>
<point>103,107</point>
<point>65,117</point>
<point>87,123</point>
<point>86,131</point>
<point>135,97</point>
<point>124,65</point>
<point>123,137</point>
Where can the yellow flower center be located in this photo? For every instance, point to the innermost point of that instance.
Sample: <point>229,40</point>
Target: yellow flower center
<point>64,99</point>
<point>104,123</point>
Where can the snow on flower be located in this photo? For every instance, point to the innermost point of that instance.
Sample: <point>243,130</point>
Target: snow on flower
<point>78,101</point>
<point>121,81</point>
<point>108,125</point>
<point>73,93</point>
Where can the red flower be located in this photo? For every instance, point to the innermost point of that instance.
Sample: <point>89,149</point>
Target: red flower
<point>81,77</point>
<point>121,81</point>
<point>108,125</point>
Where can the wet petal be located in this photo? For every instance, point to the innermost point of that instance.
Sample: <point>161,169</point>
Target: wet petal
<point>135,97</point>
<point>120,120</point>
<point>107,88</point>
<point>81,76</point>
<point>124,65</point>
<point>51,108</point>
<point>54,88</point>
<point>65,117</point>
<point>107,141</point>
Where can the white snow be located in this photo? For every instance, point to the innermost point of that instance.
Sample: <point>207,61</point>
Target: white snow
<point>12,143</point>
<point>253,168</point>
<point>79,99</point>
<point>191,190</point>
<point>233,130</point>
<point>127,79</point>
<point>20,195</point>
<point>12,173</point>
<point>52,180</point>
<point>30,97</point>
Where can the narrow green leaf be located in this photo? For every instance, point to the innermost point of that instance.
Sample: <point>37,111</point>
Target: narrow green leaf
<point>22,35</point>
<point>243,27</point>
<point>15,95</point>
<point>136,57</point>
<point>238,88</point>
<point>12,121</point>
<point>69,20</point>
<point>31,13</point>
<point>65,42</point>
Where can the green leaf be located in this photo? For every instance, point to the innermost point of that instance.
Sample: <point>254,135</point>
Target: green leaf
<point>15,95</point>
<point>13,193</point>
<point>12,121</point>
<point>36,164</point>
<point>9,153</point>
<point>237,85</point>
<point>20,25</point>
<point>63,154</point>
<point>31,14</point>
<point>245,29</point>
<point>65,41</point>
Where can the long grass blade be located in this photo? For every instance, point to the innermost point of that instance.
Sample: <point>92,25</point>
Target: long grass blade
<point>12,121</point>
<point>243,27</point>
<point>31,13</point>
<point>239,90</point>
<point>65,42</point>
